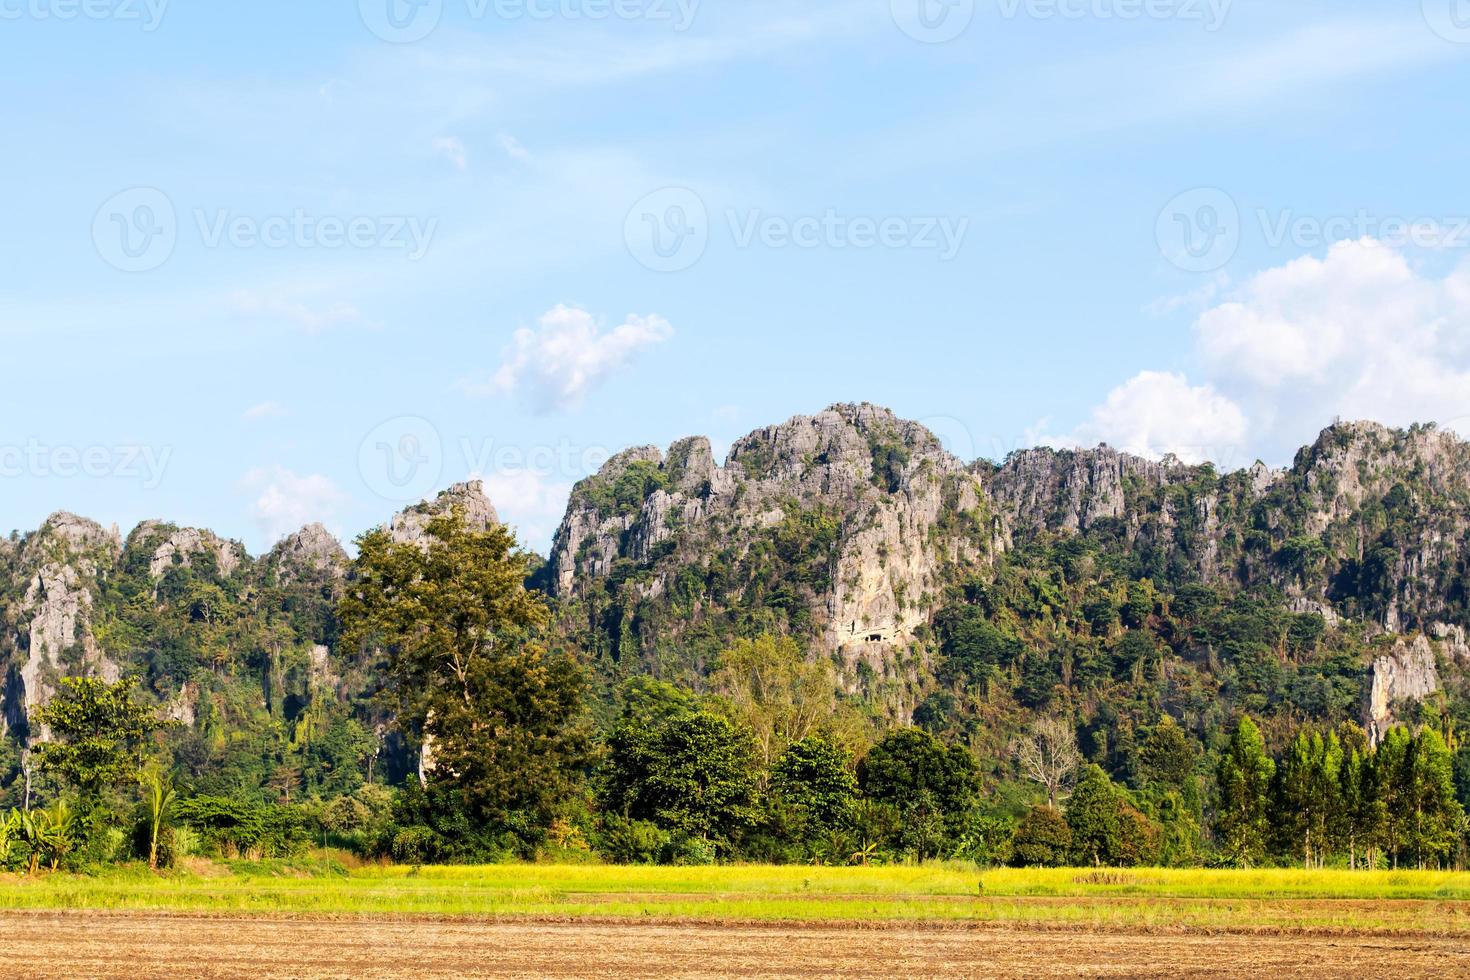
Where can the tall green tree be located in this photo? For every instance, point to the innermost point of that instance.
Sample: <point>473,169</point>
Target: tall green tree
<point>814,778</point>
<point>1244,777</point>
<point>1042,839</point>
<point>499,716</point>
<point>97,736</point>
<point>1309,800</point>
<point>768,685</point>
<point>1168,755</point>
<point>690,771</point>
<point>1392,780</point>
<point>932,786</point>
<point>1429,795</point>
<point>1093,817</point>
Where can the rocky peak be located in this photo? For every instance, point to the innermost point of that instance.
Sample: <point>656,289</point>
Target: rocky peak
<point>859,509</point>
<point>1354,462</point>
<point>59,568</point>
<point>184,546</point>
<point>313,547</point>
<point>1072,489</point>
<point>408,526</point>
<point>66,535</point>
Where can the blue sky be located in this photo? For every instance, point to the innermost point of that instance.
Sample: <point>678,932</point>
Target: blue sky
<point>263,266</point>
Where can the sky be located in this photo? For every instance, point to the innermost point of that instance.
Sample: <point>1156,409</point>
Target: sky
<point>271,263</point>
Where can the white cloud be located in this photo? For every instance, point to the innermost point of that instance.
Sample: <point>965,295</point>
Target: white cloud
<point>1195,299</point>
<point>452,149</point>
<point>307,318</point>
<point>568,355</point>
<point>1359,334</point>
<point>531,501</point>
<point>285,502</point>
<point>513,147</point>
<point>265,410</point>
<point>1156,413</point>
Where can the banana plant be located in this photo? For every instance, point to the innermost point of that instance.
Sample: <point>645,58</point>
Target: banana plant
<point>49,834</point>
<point>160,796</point>
<point>9,831</point>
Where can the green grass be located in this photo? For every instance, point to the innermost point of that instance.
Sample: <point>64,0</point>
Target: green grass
<point>1273,899</point>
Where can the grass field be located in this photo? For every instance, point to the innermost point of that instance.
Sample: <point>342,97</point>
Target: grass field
<point>1389,902</point>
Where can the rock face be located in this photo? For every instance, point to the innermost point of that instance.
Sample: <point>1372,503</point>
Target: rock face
<point>310,552</point>
<point>1407,674</point>
<point>844,527</point>
<point>56,575</point>
<point>1047,489</point>
<point>52,581</point>
<point>408,526</point>
<point>184,545</point>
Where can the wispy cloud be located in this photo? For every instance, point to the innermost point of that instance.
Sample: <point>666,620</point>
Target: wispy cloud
<point>308,318</point>
<point>285,501</point>
<point>1209,80</point>
<point>265,410</point>
<point>567,355</point>
<point>452,149</point>
<point>512,147</point>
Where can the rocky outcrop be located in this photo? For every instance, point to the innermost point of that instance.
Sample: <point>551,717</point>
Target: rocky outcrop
<point>1408,673</point>
<point>850,522</point>
<point>1071,490</point>
<point>1368,524</point>
<point>182,547</point>
<point>310,552</point>
<point>57,570</point>
<point>409,526</point>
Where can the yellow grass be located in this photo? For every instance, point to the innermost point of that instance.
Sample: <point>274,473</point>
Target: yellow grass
<point>1270,899</point>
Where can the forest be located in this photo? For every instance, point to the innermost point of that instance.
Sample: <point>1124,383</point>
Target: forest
<point>1080,715</point>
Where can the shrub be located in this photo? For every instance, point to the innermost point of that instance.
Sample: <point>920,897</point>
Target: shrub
<point>1043,839</point>
<point>625,841</point>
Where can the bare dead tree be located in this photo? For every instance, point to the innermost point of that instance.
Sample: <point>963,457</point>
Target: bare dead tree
<point>1048,754</point>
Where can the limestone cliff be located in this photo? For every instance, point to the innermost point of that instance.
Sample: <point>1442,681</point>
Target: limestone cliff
<point>843,528</point>
<point>55,577</point>
<point>408,526</point>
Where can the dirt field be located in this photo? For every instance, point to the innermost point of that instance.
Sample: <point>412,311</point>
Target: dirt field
<point>54,945</point>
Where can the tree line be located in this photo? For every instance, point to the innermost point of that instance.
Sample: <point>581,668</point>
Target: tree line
<point>767,761</point>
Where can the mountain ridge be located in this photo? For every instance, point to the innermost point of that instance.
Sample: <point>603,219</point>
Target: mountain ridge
<point>852,529</point>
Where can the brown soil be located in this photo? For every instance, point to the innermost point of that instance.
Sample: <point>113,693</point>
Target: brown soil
<point>79,944</point>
